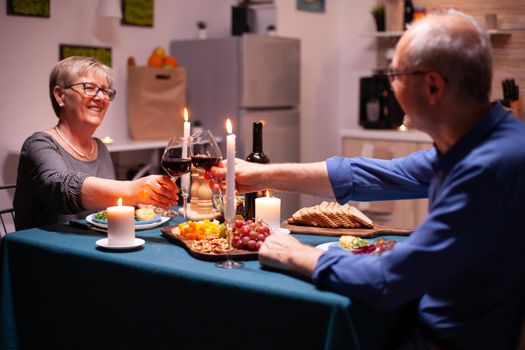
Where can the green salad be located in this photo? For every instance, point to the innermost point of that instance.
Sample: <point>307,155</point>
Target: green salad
<point>101,215</point>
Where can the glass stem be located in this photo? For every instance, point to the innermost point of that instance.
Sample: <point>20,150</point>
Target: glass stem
<point>219,190</point>
<point>185,192</point>
<point>229,230</point>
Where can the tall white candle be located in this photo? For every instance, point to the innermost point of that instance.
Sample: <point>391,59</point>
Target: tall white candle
<point>268,209</point>
<point>186,177</point>
<point>121,225</point>
<point>229,211</point>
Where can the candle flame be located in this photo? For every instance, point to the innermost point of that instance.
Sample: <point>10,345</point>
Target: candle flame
<point>185,114</point>
<point>267,193</point>
<point>229,126</point>
<point>119,202</point>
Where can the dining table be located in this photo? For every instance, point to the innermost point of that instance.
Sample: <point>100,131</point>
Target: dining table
<point>59,290</point>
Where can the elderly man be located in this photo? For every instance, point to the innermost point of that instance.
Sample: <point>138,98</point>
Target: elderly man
<point>464,265</point>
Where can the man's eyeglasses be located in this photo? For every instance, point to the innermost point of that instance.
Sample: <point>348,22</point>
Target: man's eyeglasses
<point>92,89</point>
<point>393,73</point>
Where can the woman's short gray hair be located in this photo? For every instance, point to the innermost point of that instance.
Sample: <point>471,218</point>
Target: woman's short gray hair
<point>67,70</point>
<point>460,50</point>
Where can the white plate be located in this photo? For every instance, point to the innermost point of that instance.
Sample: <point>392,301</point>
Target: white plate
<point>398,239</point>
<point>162,220</point>
<point>103,243</point>
<point>325,246</point>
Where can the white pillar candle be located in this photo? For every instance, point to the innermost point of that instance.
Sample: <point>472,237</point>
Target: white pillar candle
<point>268,209</point>
<point>229,211</point>
<point>121,225</point>
<point>186,177</point>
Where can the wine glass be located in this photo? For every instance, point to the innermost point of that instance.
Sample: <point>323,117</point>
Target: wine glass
<point>205,153</point>
<point>176,161</point>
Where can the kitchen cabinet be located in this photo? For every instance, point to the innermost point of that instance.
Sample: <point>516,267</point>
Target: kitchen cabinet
<point>136,158</point>
<point>398,213</point>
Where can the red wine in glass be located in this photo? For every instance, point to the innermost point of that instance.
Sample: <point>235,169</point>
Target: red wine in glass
<point>205,153</point>
<point>176,167</point>
<point>204,162</point>
<point>176,161</point>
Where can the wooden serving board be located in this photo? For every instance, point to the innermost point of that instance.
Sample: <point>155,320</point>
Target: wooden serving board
<point>358,232</point>
<point>172,234</point>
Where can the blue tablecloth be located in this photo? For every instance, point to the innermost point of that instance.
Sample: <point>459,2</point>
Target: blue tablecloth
<point>59,291</point>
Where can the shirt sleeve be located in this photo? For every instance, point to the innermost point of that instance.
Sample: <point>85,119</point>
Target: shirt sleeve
<point>453,241</point>
<point>367,179</point>
<point>49,177</point>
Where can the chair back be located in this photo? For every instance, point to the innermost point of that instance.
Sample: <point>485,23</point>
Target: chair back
<point>521,340</point>
<point>7,215</point>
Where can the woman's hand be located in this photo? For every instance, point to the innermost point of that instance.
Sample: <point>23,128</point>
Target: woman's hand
<point>285,252</point>
<point>157,190</point>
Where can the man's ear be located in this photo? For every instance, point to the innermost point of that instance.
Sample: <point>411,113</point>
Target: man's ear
<point>58,92</point>
<point>434,87</point>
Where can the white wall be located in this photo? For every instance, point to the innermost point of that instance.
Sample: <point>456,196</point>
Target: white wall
<point>335,51</point>
<point>29,48</point>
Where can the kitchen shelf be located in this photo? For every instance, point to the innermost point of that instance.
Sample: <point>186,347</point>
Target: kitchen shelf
<point>502,31</point>
<point>386,34</point>
<point>385,135</point>
<point>397,34</point>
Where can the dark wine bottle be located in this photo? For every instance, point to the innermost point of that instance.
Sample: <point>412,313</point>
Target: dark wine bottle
<point>409,13</point>
<point>257,156</point>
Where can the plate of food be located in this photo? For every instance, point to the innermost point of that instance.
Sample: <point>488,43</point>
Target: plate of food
<point>145,218</point>
<point>364,246</point>
<point>206,240</point>
<point>333,219</point>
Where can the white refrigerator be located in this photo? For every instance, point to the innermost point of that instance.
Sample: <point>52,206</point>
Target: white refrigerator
<point>247,78</point>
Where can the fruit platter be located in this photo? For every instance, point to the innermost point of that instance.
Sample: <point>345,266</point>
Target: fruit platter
<point>207,240</point>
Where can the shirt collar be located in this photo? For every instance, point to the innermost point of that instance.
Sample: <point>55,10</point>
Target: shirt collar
<point>471,139</point>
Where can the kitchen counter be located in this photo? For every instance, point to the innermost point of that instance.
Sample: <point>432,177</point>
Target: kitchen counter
<point>386,135</point>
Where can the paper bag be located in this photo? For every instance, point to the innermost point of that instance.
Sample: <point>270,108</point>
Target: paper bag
<point>156,100</point>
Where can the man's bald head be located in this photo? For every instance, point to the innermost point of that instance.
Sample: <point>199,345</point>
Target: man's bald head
<point>454,45</point>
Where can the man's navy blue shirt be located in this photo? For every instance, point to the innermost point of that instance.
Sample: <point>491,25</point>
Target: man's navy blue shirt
<point>466,262</point>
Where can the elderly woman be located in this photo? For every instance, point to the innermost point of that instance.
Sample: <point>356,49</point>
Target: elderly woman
<point>64,172</point>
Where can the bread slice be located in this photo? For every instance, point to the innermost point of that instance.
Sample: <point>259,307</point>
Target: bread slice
<point>357,216</point>
<point>144,214</point>
<point>331,215</point>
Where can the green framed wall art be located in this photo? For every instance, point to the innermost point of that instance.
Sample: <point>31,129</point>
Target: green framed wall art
<point>137,13</point>
<point>311,5</point>
<point>35,8</point>
<point>103,54</point>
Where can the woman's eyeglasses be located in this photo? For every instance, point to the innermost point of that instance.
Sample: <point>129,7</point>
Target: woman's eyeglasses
<point>92,89</point>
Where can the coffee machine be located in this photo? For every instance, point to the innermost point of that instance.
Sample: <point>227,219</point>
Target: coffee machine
<point>378,107</point>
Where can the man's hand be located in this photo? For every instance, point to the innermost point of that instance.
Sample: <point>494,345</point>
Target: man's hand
<point>248,176</point>
<point>285,252</point>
